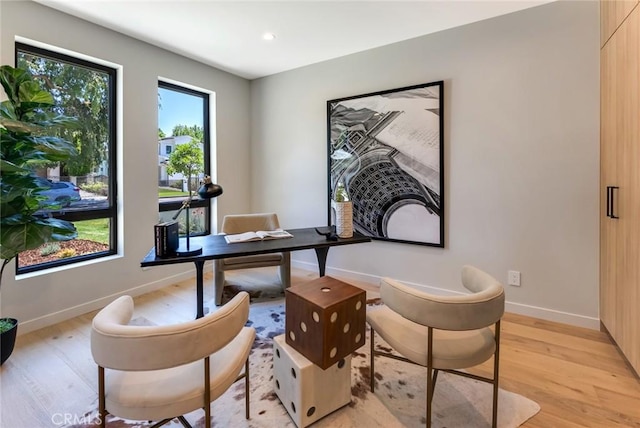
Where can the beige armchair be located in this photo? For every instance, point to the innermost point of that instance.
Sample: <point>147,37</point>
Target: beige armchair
<point>240,223</point>
<point>442,332</point>
<point>159,373</point>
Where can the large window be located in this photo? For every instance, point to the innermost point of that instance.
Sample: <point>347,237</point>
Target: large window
<point>183,155</point>
<point>84,187</point>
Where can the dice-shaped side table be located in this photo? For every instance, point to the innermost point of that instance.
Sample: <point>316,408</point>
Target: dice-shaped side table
<point>325,319</point>
<point>306,391</point>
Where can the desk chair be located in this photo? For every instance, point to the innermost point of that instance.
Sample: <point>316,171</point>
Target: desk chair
<point>240,223</point>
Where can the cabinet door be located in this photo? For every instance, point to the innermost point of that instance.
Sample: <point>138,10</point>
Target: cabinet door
<point>627,45</point>
<point>620,157</point>
<point>609,167</point>
<point>612,13</point>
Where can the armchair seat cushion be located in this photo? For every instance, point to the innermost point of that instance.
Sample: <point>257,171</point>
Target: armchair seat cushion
<point>156,395</point>
<point>451,349</point>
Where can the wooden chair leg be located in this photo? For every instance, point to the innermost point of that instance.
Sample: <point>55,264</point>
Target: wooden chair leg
<point>371,368</point>
<point>433,382</point>
<point>246,388</point>
<point>496,372</point>
<point>102,413</point>
<point>207,394</point>
<point>430,378</point>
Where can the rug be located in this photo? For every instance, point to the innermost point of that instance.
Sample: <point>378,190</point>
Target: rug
<point>399,400</point>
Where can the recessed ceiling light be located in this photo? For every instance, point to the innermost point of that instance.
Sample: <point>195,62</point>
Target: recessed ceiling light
<point>268,36</point>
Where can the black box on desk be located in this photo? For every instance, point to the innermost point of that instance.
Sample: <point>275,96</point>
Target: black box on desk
<point>166,238</point>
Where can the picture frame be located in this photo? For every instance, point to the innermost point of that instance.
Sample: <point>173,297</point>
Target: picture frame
<point>387,149</point>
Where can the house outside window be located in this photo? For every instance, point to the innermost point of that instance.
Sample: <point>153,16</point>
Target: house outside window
<point>184,132</point>
<point>84,187</point>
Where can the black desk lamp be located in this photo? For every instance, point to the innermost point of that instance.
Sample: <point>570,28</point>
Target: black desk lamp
<point>207,190</point>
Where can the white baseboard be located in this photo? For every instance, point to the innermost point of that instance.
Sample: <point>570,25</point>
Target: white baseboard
<point>516,308</point>
<point>553,315</point>
<point>56,317</point>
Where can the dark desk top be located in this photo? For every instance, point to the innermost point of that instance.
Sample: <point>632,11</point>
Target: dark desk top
<point>215,246</point>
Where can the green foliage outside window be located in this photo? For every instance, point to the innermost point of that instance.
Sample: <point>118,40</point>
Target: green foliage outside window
<point>81,93</point>
<point>188,160</point>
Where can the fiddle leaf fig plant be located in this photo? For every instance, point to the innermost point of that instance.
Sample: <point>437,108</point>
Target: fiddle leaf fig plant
<point>27,119</point>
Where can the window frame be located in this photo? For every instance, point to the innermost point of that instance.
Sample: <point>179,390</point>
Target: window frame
<point>196,202</point>
<point>111,212</point>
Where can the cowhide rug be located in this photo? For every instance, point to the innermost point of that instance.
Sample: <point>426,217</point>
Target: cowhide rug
<point>399,400</point>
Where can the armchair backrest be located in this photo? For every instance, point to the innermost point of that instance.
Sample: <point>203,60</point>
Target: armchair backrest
<point>117,345</point>
<point>483,307</point>
<point>240,223</point>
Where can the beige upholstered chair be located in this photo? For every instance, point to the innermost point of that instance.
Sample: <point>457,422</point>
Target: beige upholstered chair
<point>442,332</point>
<point>158,373</point>
<point>240,223</point>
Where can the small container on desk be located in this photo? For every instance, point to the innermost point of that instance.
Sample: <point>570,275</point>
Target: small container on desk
<point>325,319</point>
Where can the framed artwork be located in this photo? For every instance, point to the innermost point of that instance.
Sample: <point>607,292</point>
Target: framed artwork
<point>386,149</point>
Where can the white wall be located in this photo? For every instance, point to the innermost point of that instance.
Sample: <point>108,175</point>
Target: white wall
<point>44,298</point>
<point>521,154</point>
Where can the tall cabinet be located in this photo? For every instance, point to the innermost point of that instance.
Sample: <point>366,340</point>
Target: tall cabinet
<point>620,175</point>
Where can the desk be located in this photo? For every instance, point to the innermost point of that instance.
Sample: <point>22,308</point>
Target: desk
<point>215,247</point>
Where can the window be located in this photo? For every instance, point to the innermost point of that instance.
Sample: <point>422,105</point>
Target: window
<point>183,155</point>
<point>84,187</point>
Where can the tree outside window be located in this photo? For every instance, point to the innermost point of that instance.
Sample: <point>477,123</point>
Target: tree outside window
<point>84,185</point>
<point>183,154</point>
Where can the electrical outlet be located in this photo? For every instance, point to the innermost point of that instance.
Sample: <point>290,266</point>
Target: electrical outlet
<point>513,278</point>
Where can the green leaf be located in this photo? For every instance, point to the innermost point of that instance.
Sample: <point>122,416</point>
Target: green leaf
<point>7,110</point>
<point>31,94</point>
<point>17,238</point>
<point>11,80</point>
<point>19,126</point>
<point>10,167</point>
<point>56,146</point>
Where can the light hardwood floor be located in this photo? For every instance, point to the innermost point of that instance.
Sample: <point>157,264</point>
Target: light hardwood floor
<point>576,375</point>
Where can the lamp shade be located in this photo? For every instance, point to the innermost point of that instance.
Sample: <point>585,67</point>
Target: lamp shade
<point>209,190</point>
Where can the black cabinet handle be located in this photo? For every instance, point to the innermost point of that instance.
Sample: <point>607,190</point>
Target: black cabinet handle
<point>612,203</point>
<point>608,201</point>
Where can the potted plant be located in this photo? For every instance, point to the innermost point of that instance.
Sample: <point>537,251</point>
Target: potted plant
<point>26,117</point>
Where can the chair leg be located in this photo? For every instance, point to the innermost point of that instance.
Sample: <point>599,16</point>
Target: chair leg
<point>371,368</point>
<point>433,383</point>
<point>166,421</point>
<point>207,394</point>
<point>285,270</point>
<point>102,414</point>
<point>185,423</point>
<point>496,371</point>
<point>246,388</point>
<point>430,378</point>
<point>218,281</point>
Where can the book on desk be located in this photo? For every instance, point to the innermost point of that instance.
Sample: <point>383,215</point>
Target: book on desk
<point>166,238</point>
<point>259,235</point>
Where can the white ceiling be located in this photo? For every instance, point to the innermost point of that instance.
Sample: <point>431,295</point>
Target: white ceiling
<point>228,34</point>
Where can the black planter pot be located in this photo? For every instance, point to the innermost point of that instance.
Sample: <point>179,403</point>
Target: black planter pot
<point>8,340</point>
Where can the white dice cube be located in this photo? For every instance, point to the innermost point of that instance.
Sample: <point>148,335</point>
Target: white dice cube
<point>306,391</point>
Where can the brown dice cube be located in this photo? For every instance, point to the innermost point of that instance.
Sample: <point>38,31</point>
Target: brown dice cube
<point>325,320</point>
